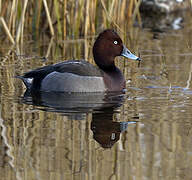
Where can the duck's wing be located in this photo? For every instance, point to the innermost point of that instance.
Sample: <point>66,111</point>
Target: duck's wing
<point>82,68</point>
<point>32,79</point>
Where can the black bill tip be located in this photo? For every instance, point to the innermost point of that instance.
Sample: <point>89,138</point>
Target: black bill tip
<point>138,59</point>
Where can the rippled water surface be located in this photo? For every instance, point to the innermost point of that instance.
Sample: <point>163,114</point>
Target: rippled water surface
<point>145,133</point>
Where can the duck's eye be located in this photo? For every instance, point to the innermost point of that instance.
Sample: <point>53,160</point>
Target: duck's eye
<point>115,42</point>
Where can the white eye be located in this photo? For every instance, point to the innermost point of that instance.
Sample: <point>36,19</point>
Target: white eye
<point>115,42</point>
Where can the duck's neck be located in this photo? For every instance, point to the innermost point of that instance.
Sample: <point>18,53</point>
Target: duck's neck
<point>106,64</point>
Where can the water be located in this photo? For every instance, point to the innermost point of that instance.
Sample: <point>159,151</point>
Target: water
<point>142,134</point>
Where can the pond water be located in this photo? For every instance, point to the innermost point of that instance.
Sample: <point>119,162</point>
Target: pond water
<point>145,133</point>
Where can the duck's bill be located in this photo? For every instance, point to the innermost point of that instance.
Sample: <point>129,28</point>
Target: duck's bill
<point>126,53</point>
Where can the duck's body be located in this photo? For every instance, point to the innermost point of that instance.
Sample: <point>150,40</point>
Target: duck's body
<point>81,73</point>
<point>81,76</point>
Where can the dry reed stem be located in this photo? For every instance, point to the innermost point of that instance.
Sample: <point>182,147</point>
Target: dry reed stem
<point>14,18</point>
<point>78,16</point>
<point>122,12</point>
<point>130,8</point>
<point>73,17</point>
<point>0,5</point>
<point>4,9</point>
<point>57,12</point>
<point>93,9</point>
<point>105,11</point>
<point>48,17</point>
<point>130,11</point>
<point>21,23</point>
<point>7,30</point>
<point>38,14</point>
<point>136,11</point>
<point>64,18</point>
<point>49,48</point>
<point>109,18</point>
<point>12,13</point>
<point>111,9</point>
<point>87,24</point>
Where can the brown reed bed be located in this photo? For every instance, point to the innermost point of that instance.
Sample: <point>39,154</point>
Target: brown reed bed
<point>65,18</point>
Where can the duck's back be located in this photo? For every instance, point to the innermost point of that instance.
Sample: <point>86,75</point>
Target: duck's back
<point>68,76</point>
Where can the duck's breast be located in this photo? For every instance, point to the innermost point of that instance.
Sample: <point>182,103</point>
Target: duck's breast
<point>114,81</point>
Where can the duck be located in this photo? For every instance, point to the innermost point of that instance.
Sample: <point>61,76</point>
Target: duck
<point>80,75</point>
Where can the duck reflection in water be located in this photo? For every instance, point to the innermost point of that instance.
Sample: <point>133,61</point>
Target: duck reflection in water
<point>106,131</point>
<point>102,106</point>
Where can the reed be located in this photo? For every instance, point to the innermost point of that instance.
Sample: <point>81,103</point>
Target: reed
<point>7,30</point>
<point>66,18</point>
<point>21,23</point>
<point>48,17</point>
<point>36,18</point>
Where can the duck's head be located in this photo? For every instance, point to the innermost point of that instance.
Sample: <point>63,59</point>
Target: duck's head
<point>107,46</point>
